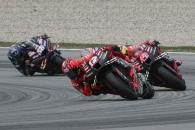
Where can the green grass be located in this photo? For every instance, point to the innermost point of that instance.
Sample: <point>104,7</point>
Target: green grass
<point>88,45</point>
<point>5,44</point>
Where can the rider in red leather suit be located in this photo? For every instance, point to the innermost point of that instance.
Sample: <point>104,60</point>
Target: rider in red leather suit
<point>147,46</point>
<point>71,68</point>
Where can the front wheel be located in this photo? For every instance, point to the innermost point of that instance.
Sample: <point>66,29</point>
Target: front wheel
<point>26,70</point>
<point>29,71</point>
<point>171,80</point>
<point>148,91</point>
<point>121,87</point>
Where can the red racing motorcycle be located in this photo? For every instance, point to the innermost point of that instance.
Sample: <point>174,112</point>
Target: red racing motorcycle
<point>157,67</point>
<point>113,73</point>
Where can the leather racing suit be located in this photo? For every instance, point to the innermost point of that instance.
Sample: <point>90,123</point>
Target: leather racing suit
<point>72,68</point>
<point>35,48</point>
<point>134,52</point>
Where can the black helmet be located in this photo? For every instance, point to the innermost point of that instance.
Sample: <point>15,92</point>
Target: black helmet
<point>35,38</point>
<point>44,36</point>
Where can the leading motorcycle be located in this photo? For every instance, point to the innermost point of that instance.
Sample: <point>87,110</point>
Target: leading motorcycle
<point>113,73</point>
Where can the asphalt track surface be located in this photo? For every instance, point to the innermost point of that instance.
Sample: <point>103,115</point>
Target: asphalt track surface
<point>50,103</point>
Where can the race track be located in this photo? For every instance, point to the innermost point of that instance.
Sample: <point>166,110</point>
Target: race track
<point>50,103</point>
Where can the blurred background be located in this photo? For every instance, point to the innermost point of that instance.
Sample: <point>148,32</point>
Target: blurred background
<point>172,22</point>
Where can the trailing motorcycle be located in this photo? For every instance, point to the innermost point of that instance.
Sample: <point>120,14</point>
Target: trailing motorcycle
<point>158,68</point>
<point>113,73</point>
<point>49,63</point>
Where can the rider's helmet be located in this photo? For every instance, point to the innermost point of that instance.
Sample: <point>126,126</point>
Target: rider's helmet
<point>45,36</point>
<point>44,40</point>
<point>130,50</point>
<point>15,54</point>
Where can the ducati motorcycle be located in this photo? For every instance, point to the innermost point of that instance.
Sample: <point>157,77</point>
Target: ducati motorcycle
<point>158,68</point>
<point>113,73</point>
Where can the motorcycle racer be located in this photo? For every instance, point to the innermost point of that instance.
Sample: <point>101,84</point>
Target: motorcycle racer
<point>137,54</point>
<point>133,53</point>
<point>79,69</point>
<point>37,47</point>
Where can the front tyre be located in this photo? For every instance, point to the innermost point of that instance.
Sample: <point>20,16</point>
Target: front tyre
<point>148,91</point>
<point>171,80</point>
<point>29,71</point>
<point>121,87</point>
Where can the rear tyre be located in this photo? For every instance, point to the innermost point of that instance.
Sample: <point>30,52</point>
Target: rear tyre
<point>55,66</point>
<point>122,88</point>
<point>56,59</point>
<point>22,71</point>
<point>170,79</point>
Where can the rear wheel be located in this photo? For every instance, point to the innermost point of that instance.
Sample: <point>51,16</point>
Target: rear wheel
<point>26,69</point>
<point>121,87</point>
<point>22,71</point>
<point>171,80</point>
<point>54,64</point>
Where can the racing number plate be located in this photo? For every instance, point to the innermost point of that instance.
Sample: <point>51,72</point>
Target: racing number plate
<point>93,61</point>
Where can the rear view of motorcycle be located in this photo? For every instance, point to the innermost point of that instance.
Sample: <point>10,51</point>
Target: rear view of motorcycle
<point>160,70</point>
<point>50,63</point>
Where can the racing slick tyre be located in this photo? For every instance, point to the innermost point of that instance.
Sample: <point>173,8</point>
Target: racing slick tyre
<point>170,79</point>
<point>121,87</point>
<point>29,71</point>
